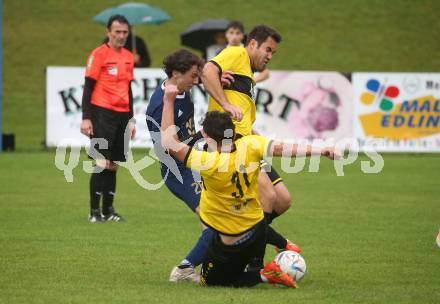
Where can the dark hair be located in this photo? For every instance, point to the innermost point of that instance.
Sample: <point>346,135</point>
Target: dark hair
<point>261,32</point>
<point>216,125</point>
<point>119,18</point>
<point>236,25</point>
<point>181,60</point>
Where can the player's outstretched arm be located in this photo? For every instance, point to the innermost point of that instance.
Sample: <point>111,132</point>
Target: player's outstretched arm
<point>295,150</point>
<point>170,141</point>
<point>212,83</point>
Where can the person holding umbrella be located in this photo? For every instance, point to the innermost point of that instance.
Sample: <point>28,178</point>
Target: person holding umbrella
<point>107,105</point>
<point>139,49</point>
<point>207,36</point>
<point>218,45</point>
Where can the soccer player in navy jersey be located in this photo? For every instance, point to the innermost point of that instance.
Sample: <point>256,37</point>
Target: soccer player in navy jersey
<point>182,68</point>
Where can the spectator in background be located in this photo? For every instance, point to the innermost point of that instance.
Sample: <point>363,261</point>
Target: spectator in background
<point>214,49</point>
<point>141,55</point>
<point>235,33</point>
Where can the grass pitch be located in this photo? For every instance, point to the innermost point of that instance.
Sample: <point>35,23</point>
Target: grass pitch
<point>366,238</point>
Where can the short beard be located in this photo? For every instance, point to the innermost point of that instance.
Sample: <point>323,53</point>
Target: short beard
<point>259,70</point>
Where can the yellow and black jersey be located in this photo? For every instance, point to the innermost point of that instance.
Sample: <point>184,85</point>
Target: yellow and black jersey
<point>229,201</point>
<point>241,91</point>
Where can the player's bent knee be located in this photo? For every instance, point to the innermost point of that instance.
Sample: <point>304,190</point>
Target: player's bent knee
<point>271,196</point>
<point>282,205</point>
<point>284,199</point>
<point>268,199</point>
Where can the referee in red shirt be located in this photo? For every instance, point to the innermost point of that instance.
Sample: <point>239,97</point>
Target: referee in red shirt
<point>107,106</point>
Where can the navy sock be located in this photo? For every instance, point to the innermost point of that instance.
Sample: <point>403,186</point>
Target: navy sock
<point>198,253</point>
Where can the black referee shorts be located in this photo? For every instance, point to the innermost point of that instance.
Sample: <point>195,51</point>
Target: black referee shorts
<point>224,265</point>
<point>110,126</point>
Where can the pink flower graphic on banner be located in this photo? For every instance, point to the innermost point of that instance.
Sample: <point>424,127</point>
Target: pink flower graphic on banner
<point>323,118</point>
<point>316,111</point>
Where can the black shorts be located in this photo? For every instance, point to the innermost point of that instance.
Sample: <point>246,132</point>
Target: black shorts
<point>109,127</point>
<point>225,265</point>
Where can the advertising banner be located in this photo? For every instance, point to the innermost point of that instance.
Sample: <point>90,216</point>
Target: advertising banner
<point>305,105</point>
<point>397,112</point>
<point>290,105</point>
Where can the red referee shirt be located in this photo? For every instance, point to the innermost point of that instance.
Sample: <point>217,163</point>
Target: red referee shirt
<point>113,71</point>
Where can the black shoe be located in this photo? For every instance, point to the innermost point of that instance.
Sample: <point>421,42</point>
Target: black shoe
<point>111,215</point>
<point>95,216</point>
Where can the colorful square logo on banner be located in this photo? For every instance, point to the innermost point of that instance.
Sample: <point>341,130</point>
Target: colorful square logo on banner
<point>378,92</point>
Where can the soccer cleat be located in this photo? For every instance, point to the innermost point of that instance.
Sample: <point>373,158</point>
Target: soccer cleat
<point>290,246</point>
<point>274,275</point>
<point>187,274</point>
<point>111,215</point>
<point>95,216</point>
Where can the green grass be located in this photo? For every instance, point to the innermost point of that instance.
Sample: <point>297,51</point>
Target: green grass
<point>366,238</point>
<point>342,35</point>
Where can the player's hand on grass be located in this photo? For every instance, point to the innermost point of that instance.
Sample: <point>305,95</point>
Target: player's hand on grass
<point>331,153</point>
<point>170,92</point>
<point>227,78</point>
<point>235,111</point>
<point>87,127</point>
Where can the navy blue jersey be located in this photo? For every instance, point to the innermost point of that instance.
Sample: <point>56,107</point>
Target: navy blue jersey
<point>183,113</point>
<point>183,119</point>
<point>182,182</point>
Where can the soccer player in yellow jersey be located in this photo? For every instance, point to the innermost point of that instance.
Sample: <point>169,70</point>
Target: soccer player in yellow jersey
<point>234,35</point>
<point>230,202</point>
<point>238,100</point>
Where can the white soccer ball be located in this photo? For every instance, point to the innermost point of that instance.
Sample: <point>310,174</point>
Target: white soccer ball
<point>292,263</point>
